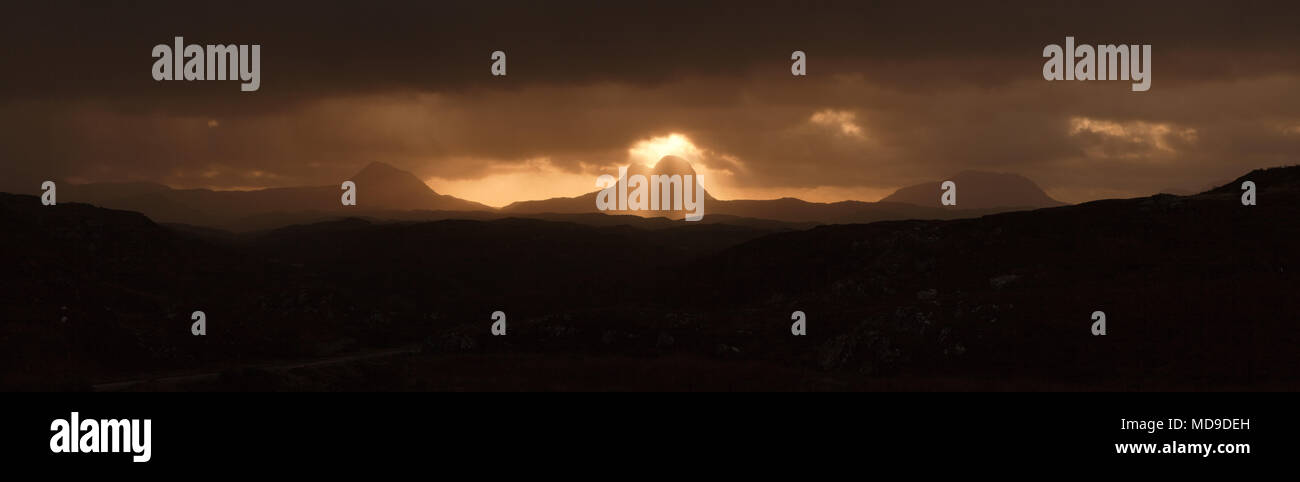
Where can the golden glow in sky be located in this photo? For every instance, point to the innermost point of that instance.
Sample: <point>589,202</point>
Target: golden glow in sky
<point>650,151</point>
<point>538,179</point>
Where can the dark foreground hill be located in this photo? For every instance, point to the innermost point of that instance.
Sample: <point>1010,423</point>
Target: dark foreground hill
<point>101,294</point>
<point>1198,292</point>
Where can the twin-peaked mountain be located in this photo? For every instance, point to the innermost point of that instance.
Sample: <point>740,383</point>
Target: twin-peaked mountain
<point>387,193</point>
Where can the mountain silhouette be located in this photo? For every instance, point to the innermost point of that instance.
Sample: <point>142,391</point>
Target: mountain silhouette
<point>586,203</point>
<point>380,187</point>
<point>387,187</point>
<point>667,166</point>
<point>979,190</point>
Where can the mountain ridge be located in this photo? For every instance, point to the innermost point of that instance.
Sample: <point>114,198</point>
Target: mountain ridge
<point>385,191</point>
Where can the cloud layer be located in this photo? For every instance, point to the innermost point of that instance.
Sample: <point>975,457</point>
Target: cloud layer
<point>894,95</point>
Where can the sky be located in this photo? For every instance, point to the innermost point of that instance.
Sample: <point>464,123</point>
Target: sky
<point>896,93</point>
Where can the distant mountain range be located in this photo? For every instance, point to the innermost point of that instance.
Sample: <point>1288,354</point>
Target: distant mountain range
<point>387,193</point>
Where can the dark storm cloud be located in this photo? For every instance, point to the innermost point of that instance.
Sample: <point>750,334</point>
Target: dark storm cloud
<point>98,49</point>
